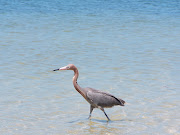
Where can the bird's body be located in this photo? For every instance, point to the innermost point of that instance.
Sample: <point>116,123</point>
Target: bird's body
<point>96,98</point>
<point>101,99</point>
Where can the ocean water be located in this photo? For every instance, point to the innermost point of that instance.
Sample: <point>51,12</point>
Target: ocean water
<point>129,48</point>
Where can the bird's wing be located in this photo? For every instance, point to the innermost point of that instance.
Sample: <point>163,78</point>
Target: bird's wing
<point>103,99</point>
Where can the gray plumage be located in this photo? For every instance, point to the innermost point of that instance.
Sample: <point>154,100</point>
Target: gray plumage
<point>96,98</point>
<point>103,99</point>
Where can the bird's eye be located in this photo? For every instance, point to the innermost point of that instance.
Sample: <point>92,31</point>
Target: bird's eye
<point>68,67</point>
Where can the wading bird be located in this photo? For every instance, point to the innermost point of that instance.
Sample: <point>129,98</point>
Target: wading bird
<point>96,98</point>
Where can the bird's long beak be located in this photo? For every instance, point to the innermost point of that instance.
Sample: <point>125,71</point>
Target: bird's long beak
<point>62,68</point>
<point>55,69</point>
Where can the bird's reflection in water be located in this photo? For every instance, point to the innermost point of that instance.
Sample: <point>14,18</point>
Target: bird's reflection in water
<point>100,126</point>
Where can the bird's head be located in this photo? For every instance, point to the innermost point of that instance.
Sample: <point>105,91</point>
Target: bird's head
<point>68,67</point>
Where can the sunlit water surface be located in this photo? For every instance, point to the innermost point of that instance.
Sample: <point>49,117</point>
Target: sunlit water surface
<point>127,48</point>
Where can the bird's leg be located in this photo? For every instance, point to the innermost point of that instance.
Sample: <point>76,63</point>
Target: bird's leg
<point>91,109</point>
<point>105,114</point>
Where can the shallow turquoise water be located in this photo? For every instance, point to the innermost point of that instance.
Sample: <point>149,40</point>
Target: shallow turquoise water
<point>127,48</point>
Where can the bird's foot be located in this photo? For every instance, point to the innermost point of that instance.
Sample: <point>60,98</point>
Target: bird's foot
<point>108,120</point>
<point>89,117</point>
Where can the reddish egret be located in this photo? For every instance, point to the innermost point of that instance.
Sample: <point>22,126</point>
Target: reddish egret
<point>96,98</point>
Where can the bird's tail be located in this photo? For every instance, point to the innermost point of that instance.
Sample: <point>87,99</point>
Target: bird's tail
<point>122,102</point>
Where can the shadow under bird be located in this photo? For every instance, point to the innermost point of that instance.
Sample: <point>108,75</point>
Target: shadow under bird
<point>96,98</point>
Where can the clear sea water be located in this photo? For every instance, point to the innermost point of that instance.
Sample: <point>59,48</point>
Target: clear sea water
<point>129,48</point>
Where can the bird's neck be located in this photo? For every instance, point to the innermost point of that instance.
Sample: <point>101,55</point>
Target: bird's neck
<point>76,86</point>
